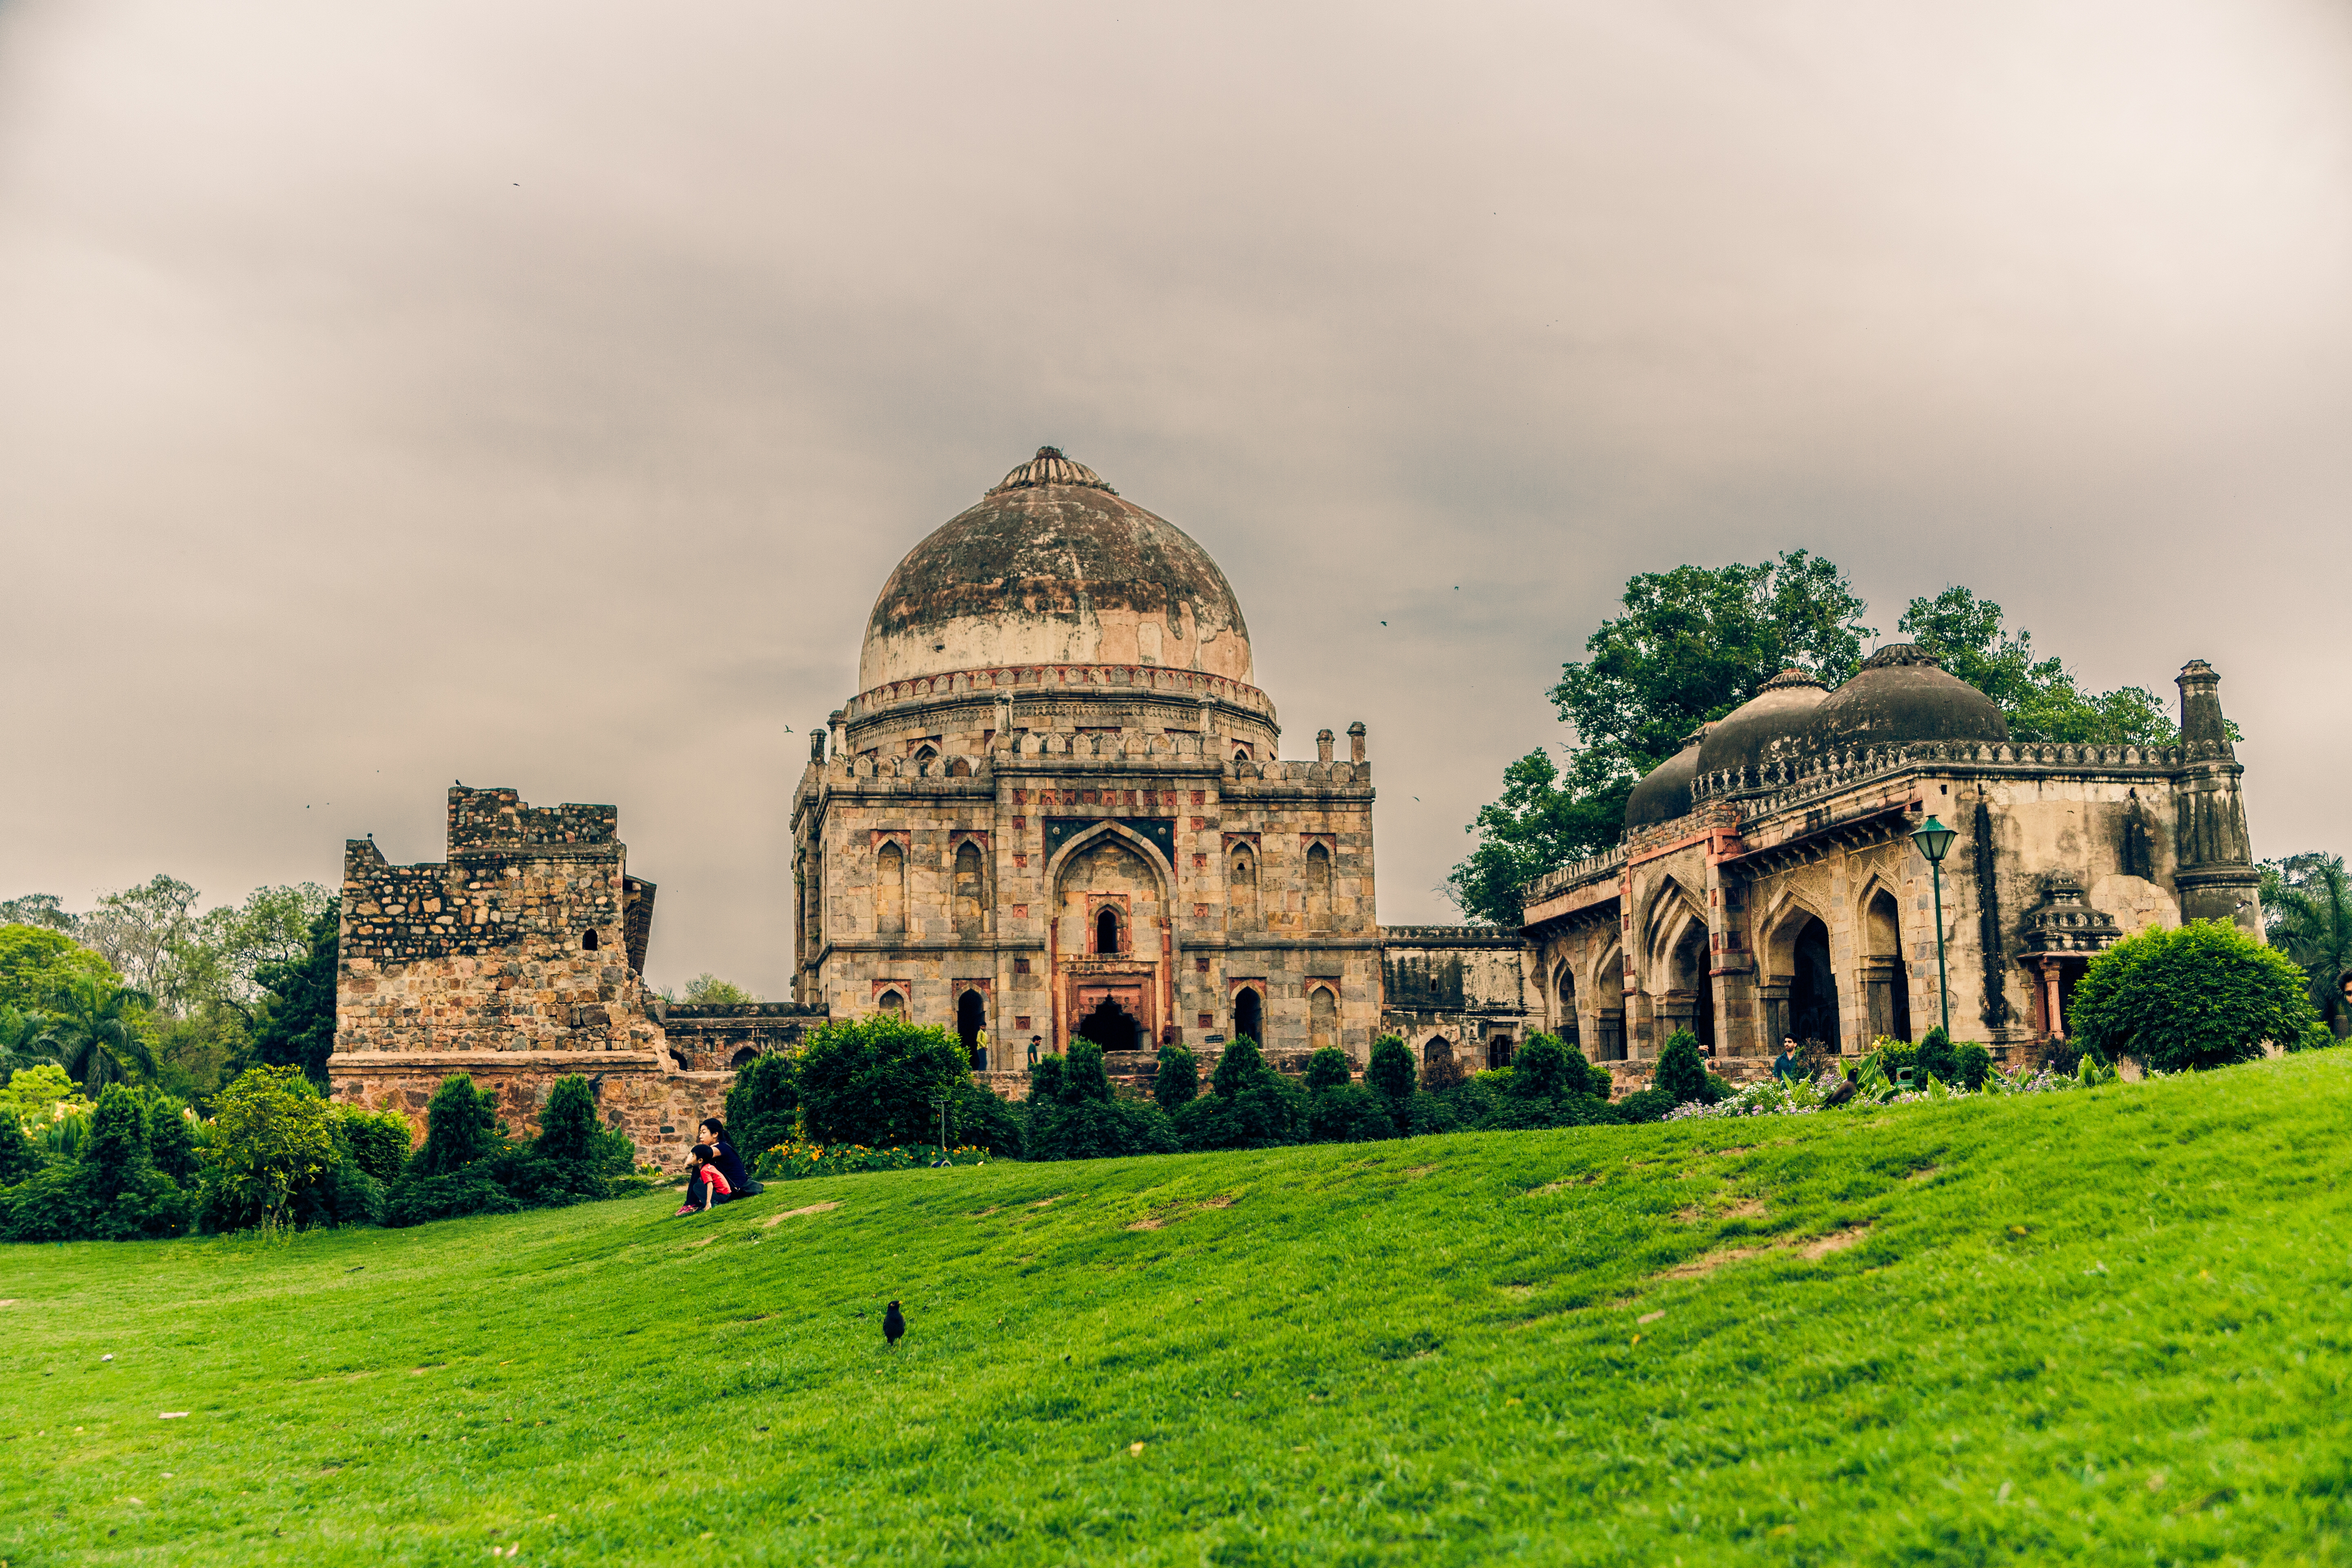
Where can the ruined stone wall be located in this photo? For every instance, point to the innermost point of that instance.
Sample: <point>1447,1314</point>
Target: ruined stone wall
<point>720,1038</point>
<point>1457,990</point>
<point>515,962</point>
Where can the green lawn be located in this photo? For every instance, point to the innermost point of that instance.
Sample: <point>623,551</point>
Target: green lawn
<point>2113,1325</point>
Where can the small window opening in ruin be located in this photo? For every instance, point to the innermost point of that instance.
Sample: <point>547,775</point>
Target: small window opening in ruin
<point>926,754</point>
<point>1240,754</point>
<point>891,1002</point>
<point>1498,1052</point>
<point>588,939</point>
<point>1107,931</point>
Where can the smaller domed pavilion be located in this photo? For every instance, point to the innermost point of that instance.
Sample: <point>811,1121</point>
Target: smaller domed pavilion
<point>1768,889</point>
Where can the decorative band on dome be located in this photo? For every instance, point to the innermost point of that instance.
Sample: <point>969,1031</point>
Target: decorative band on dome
<point>1902,653</point>
<point>1791,677</point>
<point>1050,468</point>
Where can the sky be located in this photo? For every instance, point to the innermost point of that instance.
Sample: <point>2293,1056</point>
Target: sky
<point>538,394</point>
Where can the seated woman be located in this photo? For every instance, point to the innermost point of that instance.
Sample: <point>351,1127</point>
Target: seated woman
<point>723,1155</point>
<point>706,1183</point>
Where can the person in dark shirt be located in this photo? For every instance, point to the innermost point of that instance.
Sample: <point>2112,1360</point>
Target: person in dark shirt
<point>723,1155</point>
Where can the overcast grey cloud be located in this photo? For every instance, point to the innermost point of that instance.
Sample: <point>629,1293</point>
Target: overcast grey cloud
<point>538,394</point>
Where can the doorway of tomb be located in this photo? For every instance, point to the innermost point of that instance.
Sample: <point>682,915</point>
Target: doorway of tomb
<point>1112,1026</point>
<point>1688,973</point>
<point>1249,1016</point>
<point>972,1028</point>
<point>1813,990</point>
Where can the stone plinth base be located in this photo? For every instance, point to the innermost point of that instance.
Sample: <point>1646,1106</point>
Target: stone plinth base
<point>637,1092</point>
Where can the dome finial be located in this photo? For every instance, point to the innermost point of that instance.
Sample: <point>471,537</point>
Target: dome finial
<point>1050,468</point>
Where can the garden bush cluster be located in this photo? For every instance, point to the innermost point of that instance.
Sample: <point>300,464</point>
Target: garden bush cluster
<point>277,1153</point>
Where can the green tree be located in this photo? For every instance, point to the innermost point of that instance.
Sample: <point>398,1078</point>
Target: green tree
<point>33,1094</point>
<point>170,1142</point>
<point>1177,1079</point>
<point>1329,1068</point>
<point>2203,996</point>
<point>297,1026</point>
<point>764,1105</point>
<point>44,909</point>
<point>872,1080</point>
<point>708,990</point>
<point>1681,1070</point>
<point>19,1159</point>
<point>1540,1069</point>
<point>378,1140</point>
<point>137,930</point>
<point>1083,1075</point>
<point>1240,1065</point>
<point>460,1125</point>
<point>94,1031</point>
<point>35,962</point>
<point>2040,700</point>
<point>270,1139</point>
<point>2307,915</point>
<point>1389,1071</point>
<point>568,1130</point>
<point>1693,644</point>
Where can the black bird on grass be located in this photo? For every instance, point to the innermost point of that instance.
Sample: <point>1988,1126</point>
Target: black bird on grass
<point>894,1324</point>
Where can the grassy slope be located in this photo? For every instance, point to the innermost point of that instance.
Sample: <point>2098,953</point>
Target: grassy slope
<point>2113,1325</point>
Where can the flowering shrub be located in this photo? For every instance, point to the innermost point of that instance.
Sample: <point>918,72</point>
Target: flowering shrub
<point>791,1161</point>
<point>1804,1097</point>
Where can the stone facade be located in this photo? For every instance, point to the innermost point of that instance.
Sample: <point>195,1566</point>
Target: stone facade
<point>1051,853</point>
<point>516,961</point>
<point>1788,899</point>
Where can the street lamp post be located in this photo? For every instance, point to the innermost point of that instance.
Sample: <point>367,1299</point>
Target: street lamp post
<point>942,1103</point>
<point>1934,841</point>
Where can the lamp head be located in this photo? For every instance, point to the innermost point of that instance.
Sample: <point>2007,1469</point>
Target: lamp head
<point>1934,839</point>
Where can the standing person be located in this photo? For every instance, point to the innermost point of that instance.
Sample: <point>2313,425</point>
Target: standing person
<point>723,1155</point>
<point>2341,1018</point>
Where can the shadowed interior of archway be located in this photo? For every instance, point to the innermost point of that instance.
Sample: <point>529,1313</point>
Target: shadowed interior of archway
<point>1112,1027</point>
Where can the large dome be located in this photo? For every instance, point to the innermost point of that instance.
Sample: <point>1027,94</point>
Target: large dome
<point>1766,728</point>
<point>1902,693</point>
<point>1053,568</point>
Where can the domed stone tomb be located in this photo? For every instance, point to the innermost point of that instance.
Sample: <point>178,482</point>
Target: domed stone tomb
<point>1053,567</point>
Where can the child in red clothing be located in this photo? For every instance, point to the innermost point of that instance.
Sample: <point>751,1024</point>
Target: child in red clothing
<point>706,1184</point>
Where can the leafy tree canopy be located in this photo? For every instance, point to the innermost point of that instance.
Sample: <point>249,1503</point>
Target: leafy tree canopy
<point>708,990</point>
<point>297,1026</point>
<point>2307,915</point>
<point>270,1136</point>
<point>872,1080</point>
<point>35,962</point>
<point>2040,698</point>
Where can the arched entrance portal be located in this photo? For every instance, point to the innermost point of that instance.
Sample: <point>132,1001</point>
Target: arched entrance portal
<point>1249,1019</point>
<point>1812,990</point>
<point>972,1028</point>
<point>1112,1026</point>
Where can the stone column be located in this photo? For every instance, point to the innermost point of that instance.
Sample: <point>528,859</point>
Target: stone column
<point>1356,742</point>
<point>2057,1023</point>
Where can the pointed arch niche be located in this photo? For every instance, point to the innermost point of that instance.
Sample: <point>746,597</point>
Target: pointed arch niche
<point>1110,940</point>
